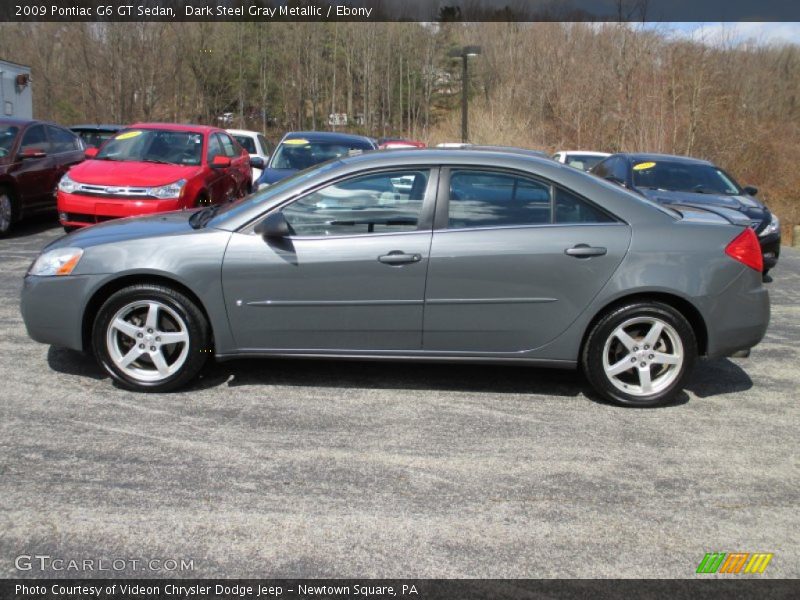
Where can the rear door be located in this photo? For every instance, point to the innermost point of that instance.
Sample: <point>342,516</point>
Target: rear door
<point>349,277</point>
<point>514,260</point>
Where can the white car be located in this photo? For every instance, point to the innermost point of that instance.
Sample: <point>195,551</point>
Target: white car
<point>255,144</point>
<point>580,159</point>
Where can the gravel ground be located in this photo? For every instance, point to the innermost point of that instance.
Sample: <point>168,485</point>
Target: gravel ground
<point>312,469</point>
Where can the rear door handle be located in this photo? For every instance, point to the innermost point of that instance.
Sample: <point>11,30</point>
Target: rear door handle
<point>398,257</point>
<point>585,251</point>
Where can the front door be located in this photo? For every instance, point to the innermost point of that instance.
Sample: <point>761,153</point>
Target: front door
<point>514,260</point>
<point>350,276</point>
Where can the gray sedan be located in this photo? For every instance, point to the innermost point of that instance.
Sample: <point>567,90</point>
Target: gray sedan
<point>468,255</point>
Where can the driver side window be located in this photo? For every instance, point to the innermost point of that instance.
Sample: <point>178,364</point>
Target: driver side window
<point>384,202</point>
<point>214,148</point>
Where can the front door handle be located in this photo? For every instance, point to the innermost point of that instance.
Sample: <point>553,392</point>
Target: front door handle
<point>585,251</point>
<point>398,257</point>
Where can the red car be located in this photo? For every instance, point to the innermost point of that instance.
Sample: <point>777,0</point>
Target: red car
<point>33,157</point>
<point>151,168</point>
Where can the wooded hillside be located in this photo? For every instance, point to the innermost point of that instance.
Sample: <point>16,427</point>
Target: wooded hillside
<point>542,85</point>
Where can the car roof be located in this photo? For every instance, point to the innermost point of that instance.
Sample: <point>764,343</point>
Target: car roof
<point>26,122</point>
<point>509,149</point>
<point>176,127</point>
<point>654,157</point>
<point>243,132</point>
<point>327,136</point>
<point>583,152</point>
<point>434,156</point>
<point>103,127</point>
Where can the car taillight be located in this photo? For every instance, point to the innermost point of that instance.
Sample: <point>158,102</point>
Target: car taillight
<point>746,249</point>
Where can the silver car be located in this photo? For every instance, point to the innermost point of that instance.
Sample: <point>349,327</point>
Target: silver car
<point>438,255</point>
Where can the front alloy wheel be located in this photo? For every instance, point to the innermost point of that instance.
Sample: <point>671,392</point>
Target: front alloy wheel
<point>150,338</point>
<point>640,354</point>
<point>6,212</point>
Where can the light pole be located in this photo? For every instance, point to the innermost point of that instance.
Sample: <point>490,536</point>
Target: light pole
<point>464,54</point>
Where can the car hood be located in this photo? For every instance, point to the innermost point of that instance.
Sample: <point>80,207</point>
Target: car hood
<point>745,204</point>
<point>133,228</point>
<point>130,173</point>
<point>271,176</point>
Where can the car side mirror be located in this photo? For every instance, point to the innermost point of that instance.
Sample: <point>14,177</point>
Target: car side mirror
<point>32,153</point>
<point>274,227</point>
<point>750,190</point>
<point>220,162</point>
<point>90,152</point>
<point>256,162</point>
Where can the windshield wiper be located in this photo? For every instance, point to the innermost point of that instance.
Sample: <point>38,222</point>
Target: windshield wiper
<point>157,161</point>
<point>202,217</point>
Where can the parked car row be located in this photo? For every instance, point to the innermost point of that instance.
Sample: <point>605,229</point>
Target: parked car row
<point>157,167</point>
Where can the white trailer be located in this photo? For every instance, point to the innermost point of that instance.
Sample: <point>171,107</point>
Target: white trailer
<point>16,98</point>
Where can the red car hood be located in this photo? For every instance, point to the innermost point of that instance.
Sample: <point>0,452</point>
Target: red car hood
<point>130,173</point>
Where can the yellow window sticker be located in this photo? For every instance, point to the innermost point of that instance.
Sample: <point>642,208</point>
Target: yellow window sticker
<point>644,166</point>
<point>297,142</point>
<point>128,135</point>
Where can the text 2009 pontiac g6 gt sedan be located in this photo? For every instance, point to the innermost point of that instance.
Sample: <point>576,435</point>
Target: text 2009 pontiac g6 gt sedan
<point>421,255</point>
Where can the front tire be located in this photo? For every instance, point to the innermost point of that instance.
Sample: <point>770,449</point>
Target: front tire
<point>151,338</point>
<point>640,354</point>
<point>8,212</point>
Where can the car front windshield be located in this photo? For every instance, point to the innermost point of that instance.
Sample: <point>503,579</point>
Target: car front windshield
<point>7,135</point>
<point>683,177</point>
<point>246,142</point>
<point>154,145</point>
<point>302,154</point>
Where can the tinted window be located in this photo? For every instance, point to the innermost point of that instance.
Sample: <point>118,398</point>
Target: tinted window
<point>8,133</point>
<point>246,142</point>
<point>62,140</point>
<point>214,148</point>
<point>619,169</point>
<point>375,203</point>
<point>485,199</point>
<point>228,147</point>
<point>571,209</point>
<point>34,138</point>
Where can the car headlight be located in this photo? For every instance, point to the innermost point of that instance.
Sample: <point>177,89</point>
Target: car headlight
<point>67,185</point>
<point>774,226</point>
<point>61,261</point>
<point>172,190</point>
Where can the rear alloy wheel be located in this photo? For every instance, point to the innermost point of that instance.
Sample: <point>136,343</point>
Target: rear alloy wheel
<point>6,212</point>
<point>640,354</point>
<point>150,338</point>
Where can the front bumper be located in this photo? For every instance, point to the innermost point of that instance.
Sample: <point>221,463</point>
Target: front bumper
<point>53,307</point>
<point>79,211</point>
<point>770,249</point>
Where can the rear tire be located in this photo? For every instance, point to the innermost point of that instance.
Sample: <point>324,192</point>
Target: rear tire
<point>151,338</point>
<point>640,354</point>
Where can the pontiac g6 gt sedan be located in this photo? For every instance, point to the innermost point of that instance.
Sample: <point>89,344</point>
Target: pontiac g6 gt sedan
<point>438,255</point>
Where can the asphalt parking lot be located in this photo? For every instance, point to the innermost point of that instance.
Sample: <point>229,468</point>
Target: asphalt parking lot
<point>313,469</point>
